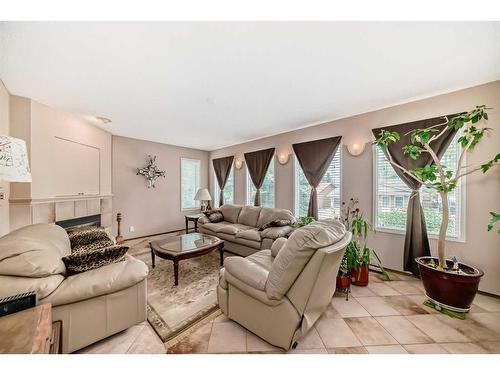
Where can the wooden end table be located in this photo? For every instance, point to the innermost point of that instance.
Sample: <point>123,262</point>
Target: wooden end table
<point>194,218</point>
<point>31,331</point>
<point>186,246</point>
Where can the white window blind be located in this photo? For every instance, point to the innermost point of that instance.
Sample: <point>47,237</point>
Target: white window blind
<point>190,183</point>
<point>228,189</point>
<point>329,190</point>
<point>391,197</point>
<point>267,191</point>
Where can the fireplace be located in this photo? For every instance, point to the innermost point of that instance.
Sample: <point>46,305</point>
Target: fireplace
<point>80,222</point>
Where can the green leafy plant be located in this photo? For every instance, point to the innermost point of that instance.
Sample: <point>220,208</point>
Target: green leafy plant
<point>303,221</point>
<point>358,254</point>
<point>436,175</point>
<point>494,219</point>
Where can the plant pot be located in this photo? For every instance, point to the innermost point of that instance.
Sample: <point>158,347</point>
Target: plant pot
<point>361,276</point>
<point>448,288</point>
<point>343,282</point>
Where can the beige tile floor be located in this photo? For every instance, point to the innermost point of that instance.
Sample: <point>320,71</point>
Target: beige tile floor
<point>386,317</point>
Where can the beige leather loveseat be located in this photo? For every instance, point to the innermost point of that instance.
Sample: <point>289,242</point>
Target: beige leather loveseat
<point>239,230</point>
<point>91,305</point>
<point>278,294</point>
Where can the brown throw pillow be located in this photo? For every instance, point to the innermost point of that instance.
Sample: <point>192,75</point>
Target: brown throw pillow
<point>85,236</point>
<point>215,216</point>
<point>82,261</point>
<point>275,223</point>
<point>93,246</point>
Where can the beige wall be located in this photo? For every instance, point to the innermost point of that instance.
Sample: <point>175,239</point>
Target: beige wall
<point>4,186</point>
<point>482,191</point>
<point>41,127</point>
<point>156,210</point>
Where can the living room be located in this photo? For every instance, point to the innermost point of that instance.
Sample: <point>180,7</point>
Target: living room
<point>251,187</point>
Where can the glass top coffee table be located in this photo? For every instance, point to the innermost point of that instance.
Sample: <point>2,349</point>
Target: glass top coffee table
<point>186,246</point>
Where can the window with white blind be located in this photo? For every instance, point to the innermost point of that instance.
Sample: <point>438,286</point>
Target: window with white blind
<point>329,190</point>
<point>190,183</point>
<point>228,190</point>
<point>391,197</point>
<point>267,191</point>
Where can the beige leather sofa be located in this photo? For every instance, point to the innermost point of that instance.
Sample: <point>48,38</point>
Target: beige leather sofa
<point>239,230</point>
<point>91,305</point>
<point>278,294</point>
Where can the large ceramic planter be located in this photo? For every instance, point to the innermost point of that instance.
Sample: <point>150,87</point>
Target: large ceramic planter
<point>361,276</point>
<point>454,290</point>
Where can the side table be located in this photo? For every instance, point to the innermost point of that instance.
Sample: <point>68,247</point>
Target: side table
<point>31,331</point>
<point>194,218</point>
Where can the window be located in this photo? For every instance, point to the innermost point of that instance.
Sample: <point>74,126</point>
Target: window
<point>228,190</point>
<point>266,191</point>
<point>329,190</point>
<point>190,183</point>
<point>391,213</point>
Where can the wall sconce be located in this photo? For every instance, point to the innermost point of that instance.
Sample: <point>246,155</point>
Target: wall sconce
<point>238,163</point>
<point>283,157</point>
<point>356,149</point>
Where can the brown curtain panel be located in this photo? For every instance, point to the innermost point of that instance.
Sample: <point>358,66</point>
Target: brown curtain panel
<point>416,239</point>
<point>258,164</point>
<point>222,168</point>
<point>314,158</point>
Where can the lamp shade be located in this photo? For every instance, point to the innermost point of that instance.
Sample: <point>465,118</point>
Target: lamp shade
<point>14,165</point>
<point>202,195</point>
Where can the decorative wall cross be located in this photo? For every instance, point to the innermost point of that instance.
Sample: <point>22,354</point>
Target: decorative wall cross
<point>151,171</point>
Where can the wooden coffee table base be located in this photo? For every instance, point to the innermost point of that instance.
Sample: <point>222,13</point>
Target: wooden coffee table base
<point>182,256</point>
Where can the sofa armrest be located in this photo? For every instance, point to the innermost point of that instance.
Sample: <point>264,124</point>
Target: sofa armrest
<point>277,245</point>
<point>276,232</point>
<point>247,272</point>
<point>203,220</point>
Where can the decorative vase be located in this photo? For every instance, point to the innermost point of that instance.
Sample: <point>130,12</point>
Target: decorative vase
<point>361,276</point>
<point>451,289</point>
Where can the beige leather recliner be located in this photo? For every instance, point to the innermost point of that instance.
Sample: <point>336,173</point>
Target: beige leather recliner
<point>278,294</point>
<point>92,305</point>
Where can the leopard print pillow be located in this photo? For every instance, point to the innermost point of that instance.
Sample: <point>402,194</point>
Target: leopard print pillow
<point>85,236</point>
<point>93,246</point>
<point>82,261</point>
<point>275,223</point>
<point>215,216</point>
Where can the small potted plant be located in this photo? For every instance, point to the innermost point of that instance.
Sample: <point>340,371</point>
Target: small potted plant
<point>448,283</point>
<point>358,254</point>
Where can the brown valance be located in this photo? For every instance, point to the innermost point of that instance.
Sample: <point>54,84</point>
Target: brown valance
<point>314,158</point>
<point>222,168</point>
<point>258,164</point>
<point>416,239</point>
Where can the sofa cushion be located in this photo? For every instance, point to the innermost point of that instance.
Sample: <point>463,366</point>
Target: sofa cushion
<point>250,234</point>
<point>214,227</point>
<point>230,212</point>
<point>276,232</point>
<point>277,245</point>
<point>233,228</point>
<point>87,235</point>
<point>214,216</point>
<point>245,242</point>
<point>98,282</point>
<point>297,251</point>
<point>82,261</point>
<point>43,286</point>
<point>34,251</point>
<point>269,214</point>
<point>249,215</point>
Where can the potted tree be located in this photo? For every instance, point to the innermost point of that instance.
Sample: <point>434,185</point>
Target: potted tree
<point>449,284</point>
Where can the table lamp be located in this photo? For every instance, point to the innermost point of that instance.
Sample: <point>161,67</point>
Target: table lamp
<point>204,197</point>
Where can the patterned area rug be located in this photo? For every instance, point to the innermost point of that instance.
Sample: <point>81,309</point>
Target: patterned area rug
<point>174,310</point>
